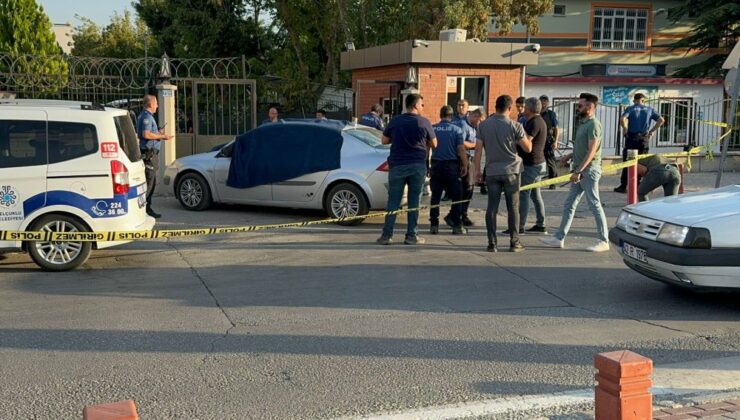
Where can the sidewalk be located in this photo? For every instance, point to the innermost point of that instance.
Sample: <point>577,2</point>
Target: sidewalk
<point>729,409</point>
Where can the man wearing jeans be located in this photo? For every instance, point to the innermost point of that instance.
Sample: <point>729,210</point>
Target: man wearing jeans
<point>535,166</point>
<point>411,137</point>
<point>499,136</point>
<point>585,178</point>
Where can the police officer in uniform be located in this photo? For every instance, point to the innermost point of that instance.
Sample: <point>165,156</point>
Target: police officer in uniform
<point>635,123</point>
<point>449,164</point>
<point>150,141</point>
<point>462,120</point>
<point>553,133</point>
<point>657,172</point>
<point>372,118</point>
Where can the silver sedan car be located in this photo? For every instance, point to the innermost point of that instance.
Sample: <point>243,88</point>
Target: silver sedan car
<point>358,186</point>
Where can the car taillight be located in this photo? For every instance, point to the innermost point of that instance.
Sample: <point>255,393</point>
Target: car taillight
<point>383,167</point>
<point>119,173</point>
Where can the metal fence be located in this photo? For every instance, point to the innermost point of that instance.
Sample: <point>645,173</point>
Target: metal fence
<point>686,123</point>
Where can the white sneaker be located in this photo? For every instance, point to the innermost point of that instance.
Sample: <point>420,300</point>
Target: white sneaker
<point>553,242</point>
<point>599,247</point>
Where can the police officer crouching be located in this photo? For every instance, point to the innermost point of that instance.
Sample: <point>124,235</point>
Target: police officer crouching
<point>657,172</point>
<point>449,165</point>
<point>150,141</point>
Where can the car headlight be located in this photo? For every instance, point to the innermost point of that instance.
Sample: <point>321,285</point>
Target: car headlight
<point>685,236</point>
<point>623,220</point>
<point>673,234</point>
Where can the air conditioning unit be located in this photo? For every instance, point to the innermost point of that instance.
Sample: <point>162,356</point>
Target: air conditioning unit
<point>453,35</point>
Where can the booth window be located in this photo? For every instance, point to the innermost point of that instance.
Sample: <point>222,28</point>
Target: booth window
<point>474,89</point>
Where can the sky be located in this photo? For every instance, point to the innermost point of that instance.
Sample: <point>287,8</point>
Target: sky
<point>100,11</point>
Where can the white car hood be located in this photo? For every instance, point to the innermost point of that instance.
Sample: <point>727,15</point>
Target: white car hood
<point>690,209</point>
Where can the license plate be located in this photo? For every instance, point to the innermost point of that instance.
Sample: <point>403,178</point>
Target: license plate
<point>634,252</point>
<point>141,201</point>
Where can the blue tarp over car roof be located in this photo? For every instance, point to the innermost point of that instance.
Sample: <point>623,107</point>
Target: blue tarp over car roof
<point>284,150</point>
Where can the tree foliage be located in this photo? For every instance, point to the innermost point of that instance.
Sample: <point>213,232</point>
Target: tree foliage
<point>716,25</point>
<point>125,37</point>
<point>26,37</point>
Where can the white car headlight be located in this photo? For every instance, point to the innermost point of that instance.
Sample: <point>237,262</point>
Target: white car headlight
<point>673,234</point>
<point>623,220</point>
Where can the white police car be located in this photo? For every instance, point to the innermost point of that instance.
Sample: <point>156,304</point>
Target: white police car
<point>68,167</point>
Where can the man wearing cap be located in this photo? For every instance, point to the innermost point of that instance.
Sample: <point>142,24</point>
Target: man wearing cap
<point>553,133</point>
<point>635,124</point>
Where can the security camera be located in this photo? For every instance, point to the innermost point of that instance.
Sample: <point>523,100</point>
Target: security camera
<point>535,47</point>
<point>418,43</point>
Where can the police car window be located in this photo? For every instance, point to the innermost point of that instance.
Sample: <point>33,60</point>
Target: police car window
<point>370,137</point>
<point>22,143</point>
<point>127,138</point>
<point>69,140</point>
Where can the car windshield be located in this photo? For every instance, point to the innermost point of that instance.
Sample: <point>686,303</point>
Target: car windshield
<point>369,136</point>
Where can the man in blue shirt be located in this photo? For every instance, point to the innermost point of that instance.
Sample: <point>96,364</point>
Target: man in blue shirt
<point>449,163</point>
<point>150,141</point>
<point>372,118</point>
<point>411,137</point>
<point>521,118</point>
<point>467,121</point>
<point>635,124</point>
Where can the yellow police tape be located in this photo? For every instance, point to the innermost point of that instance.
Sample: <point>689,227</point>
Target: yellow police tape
<point>12,235</point>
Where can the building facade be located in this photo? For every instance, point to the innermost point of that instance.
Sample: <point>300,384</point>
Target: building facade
<point>614,50</point>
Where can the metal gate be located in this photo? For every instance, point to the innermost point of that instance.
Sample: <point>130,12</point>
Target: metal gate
<point>212,112</point>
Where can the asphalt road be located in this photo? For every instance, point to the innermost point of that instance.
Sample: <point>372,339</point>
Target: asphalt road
<point>322,322</point>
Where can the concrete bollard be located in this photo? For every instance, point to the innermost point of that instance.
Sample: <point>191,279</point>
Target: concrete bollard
<point>623,390</point>
<point>632,178</point>
<point>120,410</point>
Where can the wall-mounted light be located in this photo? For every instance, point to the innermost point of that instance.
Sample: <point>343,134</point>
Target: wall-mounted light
<point>418,43</point>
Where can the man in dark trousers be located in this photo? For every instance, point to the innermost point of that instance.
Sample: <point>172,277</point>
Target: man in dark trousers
<point>373,118</point>
<point>467,122</point>
<point>553,134</point>
<point>499,136</point>
<point>150,141</point>
<point>657,172</point>
<point>449,164</point>
<point>411,137</point>
<point>635,124</point>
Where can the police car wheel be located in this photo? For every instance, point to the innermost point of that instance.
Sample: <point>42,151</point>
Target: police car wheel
<point>346,200</point>
<point>193,192</point>
<point>58,256</point>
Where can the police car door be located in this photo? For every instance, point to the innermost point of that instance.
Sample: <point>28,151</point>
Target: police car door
<point>23,166</point>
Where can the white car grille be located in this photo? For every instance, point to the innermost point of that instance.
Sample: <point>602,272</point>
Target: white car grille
<point>643,226</point>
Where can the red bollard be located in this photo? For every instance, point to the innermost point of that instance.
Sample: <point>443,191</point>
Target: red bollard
<point>120,410</point>
<point>680,170</point>
<point>632,178</point>
<point>623,390</point>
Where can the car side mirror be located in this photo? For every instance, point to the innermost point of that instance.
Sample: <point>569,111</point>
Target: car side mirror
<point>225,152</point>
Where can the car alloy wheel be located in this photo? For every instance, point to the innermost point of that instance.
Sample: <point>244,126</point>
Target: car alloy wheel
<point>345,203</point>
<point>191,192</point>
<point>58,253</point>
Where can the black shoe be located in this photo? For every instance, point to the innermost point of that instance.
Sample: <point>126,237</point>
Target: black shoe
<point>621,189</point>
<point>537,229</point>
<point>492,248</point>
<point>516,247</point>
<point>483,189</point>
<point>434,229</point>
<point>459,230</point>
<point>552,186</point>
<point>508,232</point>
<point>467,222</point>
<point>153,213</point>
<point>448,220</point>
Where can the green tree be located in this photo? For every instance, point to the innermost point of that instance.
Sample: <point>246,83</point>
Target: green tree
<point>716,25</point>
<point>27,39</point>
<point>125,37</point>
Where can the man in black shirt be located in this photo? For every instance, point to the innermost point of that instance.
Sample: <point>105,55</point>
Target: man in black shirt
<point>553,132</point>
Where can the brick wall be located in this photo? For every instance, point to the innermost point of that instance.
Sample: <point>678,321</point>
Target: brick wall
<point>372,93</point>
<point>433,84</point>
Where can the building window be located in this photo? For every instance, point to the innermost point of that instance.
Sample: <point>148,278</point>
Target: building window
<point>619,29</point>
<point>558,10</point>
<point>474,89</point>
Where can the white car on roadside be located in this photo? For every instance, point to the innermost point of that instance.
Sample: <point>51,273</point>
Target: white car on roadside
<point>690,240</point>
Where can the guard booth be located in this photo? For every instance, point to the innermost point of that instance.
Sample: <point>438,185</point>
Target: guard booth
<point>443,72</point>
